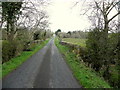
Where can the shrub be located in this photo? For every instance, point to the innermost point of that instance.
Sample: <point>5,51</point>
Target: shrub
<point>8,50</point>
<point>11,49</point>
<point>19,47</point>
<point>94,47</point>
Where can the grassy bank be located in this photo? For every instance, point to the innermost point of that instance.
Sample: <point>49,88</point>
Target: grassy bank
<point>77,41</point>
<point>86,76</point>
<point>17,61</point>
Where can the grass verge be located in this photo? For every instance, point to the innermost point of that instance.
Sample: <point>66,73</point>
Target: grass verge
<point>86,76</point>
<point>17,61</point>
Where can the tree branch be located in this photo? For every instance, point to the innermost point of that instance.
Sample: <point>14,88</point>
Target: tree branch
<point>98,7</point>
<point>114,16</point>
<point>112,7</point>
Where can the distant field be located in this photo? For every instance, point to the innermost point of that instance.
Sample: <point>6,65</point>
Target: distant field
<point>76,41</point>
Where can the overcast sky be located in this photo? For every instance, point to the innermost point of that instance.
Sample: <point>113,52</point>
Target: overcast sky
<point>63,16</point>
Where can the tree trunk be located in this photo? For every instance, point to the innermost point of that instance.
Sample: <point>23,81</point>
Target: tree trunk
<point>11,29</point>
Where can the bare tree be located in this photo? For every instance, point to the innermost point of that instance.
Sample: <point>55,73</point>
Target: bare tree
<point>98,12</point>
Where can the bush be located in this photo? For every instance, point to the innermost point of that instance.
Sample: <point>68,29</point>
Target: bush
<point>19,47</point>
<point>94,48</point>
<point>113,47</point>
<point>11,49</point>
<point>8,50</point>
<point>103,54</point>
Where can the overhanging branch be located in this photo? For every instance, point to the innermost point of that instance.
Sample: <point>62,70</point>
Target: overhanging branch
<point>114,16</point>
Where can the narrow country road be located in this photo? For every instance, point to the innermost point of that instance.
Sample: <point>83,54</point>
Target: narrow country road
<point>45,69</point>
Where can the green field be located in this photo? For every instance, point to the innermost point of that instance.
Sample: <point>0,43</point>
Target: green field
<point>87,77</point>
<point>12,64</point>
<point>77,41</point>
